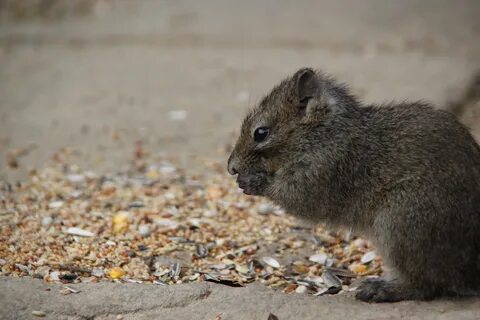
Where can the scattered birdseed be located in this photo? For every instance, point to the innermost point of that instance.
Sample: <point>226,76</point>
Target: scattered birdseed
<point>158,225</point>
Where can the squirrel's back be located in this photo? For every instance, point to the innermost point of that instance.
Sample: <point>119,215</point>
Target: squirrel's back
<point>417,138</point>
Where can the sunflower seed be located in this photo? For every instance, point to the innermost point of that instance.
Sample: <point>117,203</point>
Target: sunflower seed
<point>79,232</point>
<point>136,204</point>
<point>321,291</point>
<point>38,313</point>
<point>226,280</point>
<point>160,282</point>
<point>342,272</point>
<point>175,270</point>
<point>55,204</point>
<point>320,258</point>
<point>331,280</point>
<point>242,269</point>
<point>368,257</point>
<point>218,266</point>
<point>201,251</point>
<point>271,262</point>
<point>166,223</point>
<point>68,290</point>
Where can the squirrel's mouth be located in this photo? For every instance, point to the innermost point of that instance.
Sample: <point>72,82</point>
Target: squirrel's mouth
<point>252,183</point>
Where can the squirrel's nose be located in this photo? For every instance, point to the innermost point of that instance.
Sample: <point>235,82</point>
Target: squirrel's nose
<point>232,170</point>
<point>231,167</point>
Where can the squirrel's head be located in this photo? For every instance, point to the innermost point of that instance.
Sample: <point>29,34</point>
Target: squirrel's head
<point>277,130</point>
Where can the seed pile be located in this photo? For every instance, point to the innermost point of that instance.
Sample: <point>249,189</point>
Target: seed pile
<point>161,226</point>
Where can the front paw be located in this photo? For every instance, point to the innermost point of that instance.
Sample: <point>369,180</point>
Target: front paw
<point>253,184</point>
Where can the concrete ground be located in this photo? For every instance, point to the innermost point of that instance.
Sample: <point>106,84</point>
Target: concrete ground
<point>178,76</point>
<point>107,301</point>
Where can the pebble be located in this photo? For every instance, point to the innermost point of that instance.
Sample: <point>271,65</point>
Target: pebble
<point>368,257</point>
<point>79,232</point>
<point>3,262</point>
<point>301,289</point>
<point>144,230</point>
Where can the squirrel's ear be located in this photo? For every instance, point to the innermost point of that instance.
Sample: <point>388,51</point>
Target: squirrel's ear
<point>312,94</point>
<point>306,85</point>
<point>307,88</point>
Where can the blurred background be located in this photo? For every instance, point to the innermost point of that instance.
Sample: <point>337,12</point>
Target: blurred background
<point>101,79</point>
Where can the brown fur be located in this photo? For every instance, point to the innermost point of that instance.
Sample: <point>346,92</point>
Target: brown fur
<point>405,175</point>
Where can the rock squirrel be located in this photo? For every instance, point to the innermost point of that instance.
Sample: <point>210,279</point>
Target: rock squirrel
<point>404,175</point>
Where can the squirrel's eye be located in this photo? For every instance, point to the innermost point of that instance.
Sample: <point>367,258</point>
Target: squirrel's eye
<point>260,134</point>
